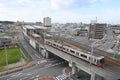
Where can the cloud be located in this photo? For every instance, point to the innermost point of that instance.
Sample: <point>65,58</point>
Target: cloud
<point>58,4</point>
<point>72,4</point>
<point>22,1</point>
<point>2,8</point>
<point>59,10</point>
<point>94,1</point>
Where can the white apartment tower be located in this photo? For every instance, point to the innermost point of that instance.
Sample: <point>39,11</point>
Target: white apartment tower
<point>47,21</point>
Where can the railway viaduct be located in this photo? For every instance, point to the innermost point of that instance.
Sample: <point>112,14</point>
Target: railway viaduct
<point>109,72</point>
<point>106,73</point>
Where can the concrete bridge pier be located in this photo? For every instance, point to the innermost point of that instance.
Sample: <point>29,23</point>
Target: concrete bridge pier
<point>74,68</point>
<point>92,76</point>
<point>44,53</point>
<point>96,77</point>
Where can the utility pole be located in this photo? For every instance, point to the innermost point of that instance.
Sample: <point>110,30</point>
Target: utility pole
<point>91,58</point>
<point>6,56</point>
<point>92,50</point>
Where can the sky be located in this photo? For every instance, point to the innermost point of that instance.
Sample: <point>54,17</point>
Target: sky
<point>61,11</point>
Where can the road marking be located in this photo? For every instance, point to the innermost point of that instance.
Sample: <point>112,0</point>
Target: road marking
<point>16,74</point>
<point>37,55</point>
<point>36,71</point>
<point>36,79</point>
<point>48,65</point>
<point>58,63</point>
<point>24,78</point>
<point>43,61</point>
<point>61,77</point>
<point>37,76</point>
<point>28,74</point>
<point>32,77</point>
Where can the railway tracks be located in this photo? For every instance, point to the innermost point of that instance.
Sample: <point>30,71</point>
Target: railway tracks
<point>109,60</point>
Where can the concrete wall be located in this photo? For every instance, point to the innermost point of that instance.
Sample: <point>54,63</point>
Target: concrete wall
<point>32,43</point>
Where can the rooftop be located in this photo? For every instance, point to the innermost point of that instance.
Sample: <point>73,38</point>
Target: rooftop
<point>29,27</point>
<point>35,35</point>
<point>34,27</point>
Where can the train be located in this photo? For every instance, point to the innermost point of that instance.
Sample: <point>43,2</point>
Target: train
<point>86,56</point>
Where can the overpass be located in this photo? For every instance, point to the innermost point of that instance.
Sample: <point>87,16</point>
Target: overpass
<point>74,62</point>
<point>109,72</point>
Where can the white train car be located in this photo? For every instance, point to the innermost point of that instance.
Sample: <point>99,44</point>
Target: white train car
<point>97,60</point>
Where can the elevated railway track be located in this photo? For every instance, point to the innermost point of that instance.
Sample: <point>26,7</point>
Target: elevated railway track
<point>109,59</point>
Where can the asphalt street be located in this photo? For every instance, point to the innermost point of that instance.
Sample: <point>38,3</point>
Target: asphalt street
<point>41,69</point>
<point>109,41</point>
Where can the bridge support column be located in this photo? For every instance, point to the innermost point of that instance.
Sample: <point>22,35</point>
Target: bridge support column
<point>73,70</point>
<point>46,54</point>
<point>72,65</point>
<point>92,76</point>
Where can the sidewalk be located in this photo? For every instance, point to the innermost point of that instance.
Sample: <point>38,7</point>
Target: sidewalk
<point>20,63</point>
<point>29,65</point>
<point>46,78</point>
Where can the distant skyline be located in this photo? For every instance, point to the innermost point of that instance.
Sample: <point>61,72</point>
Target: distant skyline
<point>61,11</point>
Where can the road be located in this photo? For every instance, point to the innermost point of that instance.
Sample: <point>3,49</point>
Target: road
<point>31,51</point>
<point>42,68</point>
<point>109,41</point>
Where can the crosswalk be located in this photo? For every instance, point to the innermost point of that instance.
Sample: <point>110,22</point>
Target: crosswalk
<point>61,77</point>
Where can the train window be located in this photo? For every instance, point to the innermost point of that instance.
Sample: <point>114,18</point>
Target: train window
<point>67,49</point>
<point>89,58</point>
<point>63,48</point>
<point>77,53</point>
<point>72,51</point>
<point>82,55</point>
<point>54,44</point>
<point>48,42</point>
<point>60,47</point>
<point>94,60</point>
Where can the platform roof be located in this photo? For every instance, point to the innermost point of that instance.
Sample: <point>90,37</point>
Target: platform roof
<point>29,27</point>
<point>35,35</point>
<point>39,27</point>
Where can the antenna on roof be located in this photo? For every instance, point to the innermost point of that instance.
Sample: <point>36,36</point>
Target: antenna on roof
<point>96,19</point>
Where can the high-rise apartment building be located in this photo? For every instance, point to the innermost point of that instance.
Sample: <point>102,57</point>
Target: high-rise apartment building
<point>96,31</point>
<point>47,21</point>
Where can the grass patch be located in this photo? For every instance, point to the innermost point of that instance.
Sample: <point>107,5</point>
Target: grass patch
<point>13,54</point>
<point>1,69</point>
<point>5,34</point>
